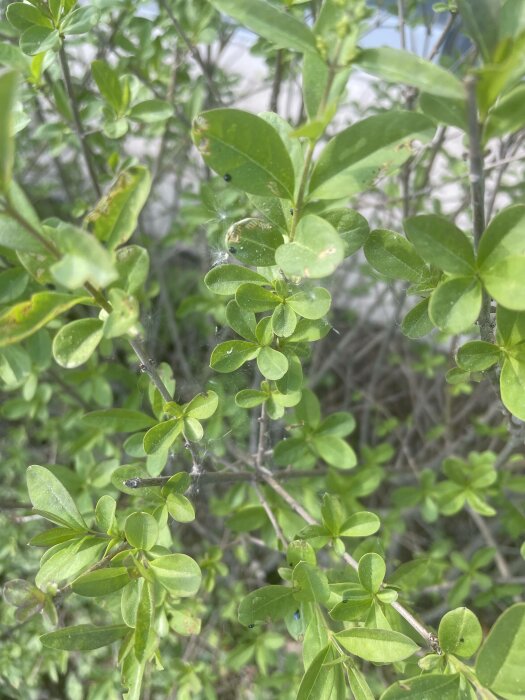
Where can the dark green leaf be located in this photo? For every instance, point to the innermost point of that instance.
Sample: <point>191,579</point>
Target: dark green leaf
<point>83,637</point>
<point>353,159</point>
<point>254,242</point>
<point>246,150</point>
<point>499,664</point>
<point>225,279</point>
<point>398,66</point>
<point>441,243</point>
<point>101,582</point>
<point>269,603</point>
<point>271,22</point>
<point>393,256</point>
<point>8,86</point>
<point>417,323</point>
<point>229,356</point>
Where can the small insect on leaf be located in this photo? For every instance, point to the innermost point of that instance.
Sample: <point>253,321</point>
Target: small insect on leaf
<point>227,177</point>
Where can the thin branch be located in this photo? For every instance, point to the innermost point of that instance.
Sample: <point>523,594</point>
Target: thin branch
<point>88,157</point>
<point>193,51</point>
<point>441,40</point>
<point>225,478</point>
<point>430,638</point>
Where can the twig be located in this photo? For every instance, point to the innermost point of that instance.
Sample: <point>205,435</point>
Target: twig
<point>477,200</point>
<point>430,638</point>
<point>225,478</point>
<point>88,157</point>
<point>441,40</point>
<point>487,535</point>
<point>193,51</point>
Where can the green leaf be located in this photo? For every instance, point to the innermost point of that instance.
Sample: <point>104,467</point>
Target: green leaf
<point>319,681</point>
<point>393,256</point>
<point>477,356</point>
<point>115,217</point>
<point>252,297</point>
<point>15,236</point>
<point>445,110</point>
<point>481,22</point>
<point>271,363</point>
<point>39,39</point>
<point>417,323</point>
<point>8,86</point>
<point>377,645</point>
<point>362,524</point>
<point>499,664</point>
<point>75,342</point>
<point>340,424</point>
<point>504,282</point>
<point>180,508</point>
<point>151,111</point>
<point>511,326</point>
<point>507,115</point>
<point>455,304</point>
<point>460,633</point>
<point>351,226</point>
<point>101,582</point>
<point>80,20</point>
<point>179,574</point>
<point>314,303</point>
<point>226,279</point>
<point>67,561</point>
<point>310,584</point>
<point>271,22</point>
<point>203,406</point>
<point>315,251</point>
<point>431,687</point>
<point>398,66</point>
<point>250,398</point>
<point>358,684</point>
<point>83,260</point>
<point>105,512</point>
<point>143,623</point>
<point>335,451</point>
<point>107,80</point>
<point>371,571</point>
<point>84,637</point>
<point>503,237</point>
<point>141,530</point>
<point>512,386</point>
<point>245,150</point>
<point>284,321</point>
<point>254,242</point>
<point>266,604</point>
<point>193,429</point>
<point>229,356</point>
<point>353,159</point>
<point>26,317</point>
<point>49,496</point>
<point>21,16</point>
<point>118,420</point>
<point>132,265</point>
<point>441,243</point>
